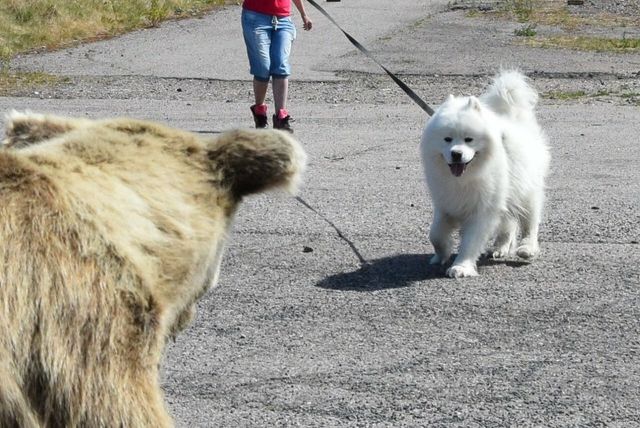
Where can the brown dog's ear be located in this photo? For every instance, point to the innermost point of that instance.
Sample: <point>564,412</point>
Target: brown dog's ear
<point>25,129</point>
<point>252,161</point>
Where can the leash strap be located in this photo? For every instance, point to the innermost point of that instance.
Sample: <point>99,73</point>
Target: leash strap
<point>363,261</point>
<point>364,50</point>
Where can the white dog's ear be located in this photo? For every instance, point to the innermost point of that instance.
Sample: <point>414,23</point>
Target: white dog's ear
<point>474,103</point>
<point>450,98</point>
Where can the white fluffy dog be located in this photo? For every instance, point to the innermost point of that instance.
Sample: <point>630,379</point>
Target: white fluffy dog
<point>485,160</point>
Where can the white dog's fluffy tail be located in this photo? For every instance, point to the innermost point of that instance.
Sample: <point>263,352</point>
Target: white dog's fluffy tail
<point>510,95</point>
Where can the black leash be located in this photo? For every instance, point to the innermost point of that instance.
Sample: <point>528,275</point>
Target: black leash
<point>401,84</point>
<point>364,50</point>
<point>363,261</point>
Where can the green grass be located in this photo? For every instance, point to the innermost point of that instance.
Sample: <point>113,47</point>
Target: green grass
<point>556,13</point>
<point>564,95</point>
<point>26,25</point>
<point>528,30</point>
<point>522,9</point>
<point>536,13</point>
<point>31,25</point>
<point>586,43</point>
<point>11,83</point>
<point>629,96</point>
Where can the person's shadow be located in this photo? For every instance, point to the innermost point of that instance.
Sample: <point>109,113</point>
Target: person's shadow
<point>397,271</point>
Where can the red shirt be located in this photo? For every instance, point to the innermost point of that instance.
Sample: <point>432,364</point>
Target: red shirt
<point>279,8</point>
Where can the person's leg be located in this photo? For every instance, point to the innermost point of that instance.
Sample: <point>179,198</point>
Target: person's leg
<point>259,109</point>
<point>260,88</point>
<point>257,31</point>
<point>280,92</point>
<point>280,69</point>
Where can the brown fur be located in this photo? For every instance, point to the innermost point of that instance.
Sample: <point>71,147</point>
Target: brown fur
<point>109,232</point>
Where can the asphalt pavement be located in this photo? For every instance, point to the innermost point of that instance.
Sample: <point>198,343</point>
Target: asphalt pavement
<point>331,316</point>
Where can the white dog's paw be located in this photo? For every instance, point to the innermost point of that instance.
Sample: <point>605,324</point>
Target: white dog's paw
<point>500,252</point>
<point>461,271</point>
<point>527,251</point>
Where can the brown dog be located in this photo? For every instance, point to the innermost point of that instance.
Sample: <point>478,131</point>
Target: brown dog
<point>109,232</point>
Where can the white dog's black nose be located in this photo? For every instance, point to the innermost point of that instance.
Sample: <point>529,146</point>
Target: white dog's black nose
<point>456,156</point>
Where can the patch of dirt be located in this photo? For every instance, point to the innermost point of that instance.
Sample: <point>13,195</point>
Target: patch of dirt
<point>627,8</point>
<point>622,8</point>
<point>355,88</point>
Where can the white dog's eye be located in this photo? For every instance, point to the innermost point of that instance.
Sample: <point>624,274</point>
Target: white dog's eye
<point>468,140</point>
<point>448,139</point>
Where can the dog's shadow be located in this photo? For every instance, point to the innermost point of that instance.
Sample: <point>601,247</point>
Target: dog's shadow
<point>390,272</point>
<point>397,271</point>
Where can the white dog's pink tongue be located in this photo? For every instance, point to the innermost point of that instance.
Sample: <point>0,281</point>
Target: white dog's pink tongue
<point>457,168</point>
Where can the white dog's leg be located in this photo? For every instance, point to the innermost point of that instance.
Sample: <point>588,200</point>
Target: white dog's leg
<point>441,239</point>
<point>529,224</point>
<point>475,235</point>
<point>505,239</point>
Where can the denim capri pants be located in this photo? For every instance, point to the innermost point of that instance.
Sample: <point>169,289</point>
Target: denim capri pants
<point>268,40</point>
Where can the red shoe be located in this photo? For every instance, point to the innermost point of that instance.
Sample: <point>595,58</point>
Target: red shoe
<point>259,115</point>
<point>282,121</point>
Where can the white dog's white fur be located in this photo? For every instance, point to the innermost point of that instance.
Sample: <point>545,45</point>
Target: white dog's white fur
<point>485,161</point>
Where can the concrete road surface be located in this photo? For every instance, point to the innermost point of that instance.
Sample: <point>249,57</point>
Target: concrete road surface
<point>331,316</point>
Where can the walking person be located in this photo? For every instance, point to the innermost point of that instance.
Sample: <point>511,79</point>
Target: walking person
<point>268,34</point>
